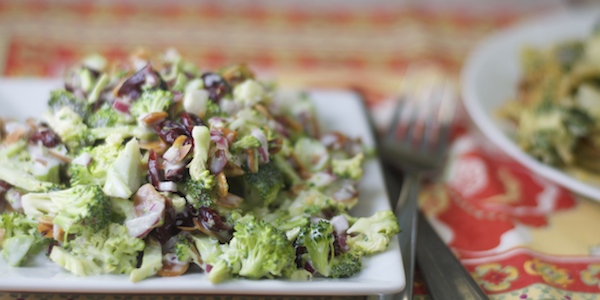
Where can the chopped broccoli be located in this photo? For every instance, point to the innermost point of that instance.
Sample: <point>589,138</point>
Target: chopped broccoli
<point>151,101</point>
<point>318,240</point>
<point>19,238</point>
<point>208,247</point>
<point>101,83</point>
<point>197,166</point>
<point>249,92</point>
<point>290,175</point>
<point>313,202</point>
<point>124,176</point>
<point>261,188</point>
<point>346,264</point>
<point>200,193</point>
<point>348,168</point>
<point>108,251</point>
<point>77,265</point>
<point>94,172</point>
<point>105,116</point>
<point>70,127</point>
<point>312,154</point>
<point>373,234</point>
<point>72,209</point>
<point>263,250</point>
<point>185,250</point>
<point>62,98</point>
<point>151,262</point>
<point>246,142</point>
<point>15,173</point>
<point>257,250</point>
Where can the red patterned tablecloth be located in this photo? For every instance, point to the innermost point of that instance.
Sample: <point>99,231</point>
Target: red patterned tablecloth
<point>519,235</point>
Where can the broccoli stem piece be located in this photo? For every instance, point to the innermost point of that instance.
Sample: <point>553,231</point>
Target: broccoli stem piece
<point>151,262</point>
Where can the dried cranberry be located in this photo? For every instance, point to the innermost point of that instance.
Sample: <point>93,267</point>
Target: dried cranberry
<point>216,86</point>
<point>190,120</point>
<point>339,243</point>
<point>132,87</point>
<point>169,130</point>
<point>186,217</point>
<point>176,174</point>
<point>211,220</point>
<point>4,186</point>
<point>48,138</point>
<point>299,251</point>
<point>154,171</point>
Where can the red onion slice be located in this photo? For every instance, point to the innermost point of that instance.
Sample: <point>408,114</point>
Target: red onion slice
<point>121,106</point>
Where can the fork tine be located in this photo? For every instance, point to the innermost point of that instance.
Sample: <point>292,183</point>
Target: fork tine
<point>446,116</point>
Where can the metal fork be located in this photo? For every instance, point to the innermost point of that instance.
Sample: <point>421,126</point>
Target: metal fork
<point>417,143</point>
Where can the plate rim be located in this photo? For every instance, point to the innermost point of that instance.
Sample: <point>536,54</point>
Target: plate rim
<point>486,123</point>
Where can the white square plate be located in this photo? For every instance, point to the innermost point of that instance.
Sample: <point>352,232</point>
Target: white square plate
<point>338,110</point>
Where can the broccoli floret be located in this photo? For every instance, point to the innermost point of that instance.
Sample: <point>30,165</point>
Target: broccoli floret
<point>107,251</point>
<point>63,98</point>
<point>15,173</point>
<point>246,142</point>
<point>312,154</point>
<point>101,83</point>
<point>373,234</point>
<point>19,238</point>
<point>257,250</point>
<point>106,116</point>
<point>151,262</point>
<point>70,127</point>
<point>94,172</point>
<point>185,250</point>
<point>122,209</point>
<point>318,240</point>
<point>290,175</point>
<point>77,265</point>
<point>197,165</point>
<point>124,176</point>
<point>346,264</point>
<point>200,192</point>
<point>313,202</point>
<point>208,247</point>
<point>261,188</point>
<point>151,101</point>
<point>72,209</point>
<point>249,92</point>
<point>348,168</point>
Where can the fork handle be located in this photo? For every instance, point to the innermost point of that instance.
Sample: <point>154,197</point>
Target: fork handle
<point>444,274</point>
<point>406,210</point>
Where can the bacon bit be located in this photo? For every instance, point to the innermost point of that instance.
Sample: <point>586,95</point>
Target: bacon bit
<point>45,227</point>
<point>154,117</point>
<point>296,189</point>
<point>222,185</point>
<point>172,269</point>
<point>15,136</point>
<point>60,156</point>
<point>251,160</point>
<point>230,201</point>
<point>263,111</point>
<point>232,170</point>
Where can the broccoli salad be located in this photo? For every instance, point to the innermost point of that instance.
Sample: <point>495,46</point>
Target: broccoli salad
<point>151,167</point>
